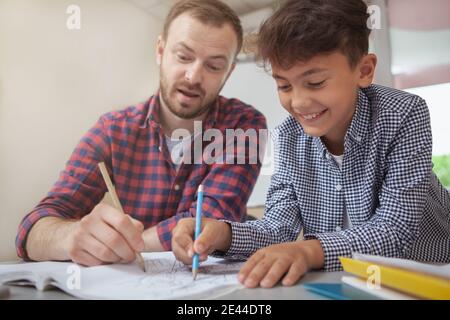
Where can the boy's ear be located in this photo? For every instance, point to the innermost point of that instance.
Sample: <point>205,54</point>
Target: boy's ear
<point>160,50</point>
<point>366,70</point>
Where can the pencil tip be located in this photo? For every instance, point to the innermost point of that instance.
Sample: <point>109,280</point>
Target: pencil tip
<point>141,262</point>
<point>194,274</point>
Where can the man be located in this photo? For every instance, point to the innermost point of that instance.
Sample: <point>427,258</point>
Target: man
<point>196,54</point>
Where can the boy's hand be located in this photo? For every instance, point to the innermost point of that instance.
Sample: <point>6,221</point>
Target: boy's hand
<point>287,260</point>
<point>215,235</point>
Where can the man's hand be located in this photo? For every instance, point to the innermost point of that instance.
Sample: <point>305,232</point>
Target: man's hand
<point>215,235</point>
<point>105,236</point>
<point>287,260</point>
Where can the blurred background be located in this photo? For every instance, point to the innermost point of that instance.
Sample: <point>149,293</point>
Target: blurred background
<point>57,78</point>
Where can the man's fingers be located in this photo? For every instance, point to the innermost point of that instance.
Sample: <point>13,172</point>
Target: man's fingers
<point>124,225</point>
<point>137,224</point>
<point>84,258</point>
<point>112,239</point>
<point>98,249</point>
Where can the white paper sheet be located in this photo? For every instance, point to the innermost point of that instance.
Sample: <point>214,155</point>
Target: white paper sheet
<point>165,278</point>
<point>442,271</point>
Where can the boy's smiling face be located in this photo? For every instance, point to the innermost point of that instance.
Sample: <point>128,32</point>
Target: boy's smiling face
<point>321,94</point>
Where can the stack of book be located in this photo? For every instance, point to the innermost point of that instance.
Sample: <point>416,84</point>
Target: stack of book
<point>375,277</point>
<point>391,278</point>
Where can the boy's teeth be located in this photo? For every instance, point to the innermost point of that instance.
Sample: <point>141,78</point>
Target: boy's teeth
<point>311,116</point>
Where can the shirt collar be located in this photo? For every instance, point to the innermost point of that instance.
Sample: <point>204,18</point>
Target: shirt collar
<point>153,107</point>
<point>358,128</point>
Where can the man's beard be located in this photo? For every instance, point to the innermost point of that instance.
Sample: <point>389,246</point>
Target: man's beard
<point>187,113</point>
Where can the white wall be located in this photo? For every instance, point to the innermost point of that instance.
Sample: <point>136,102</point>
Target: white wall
<point>253,85</point>
<point>437,98</point>
<point>55,83</point>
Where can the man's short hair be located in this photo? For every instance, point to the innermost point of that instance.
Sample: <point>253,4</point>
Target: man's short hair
<point>210,12</point>
<point>302,29</point>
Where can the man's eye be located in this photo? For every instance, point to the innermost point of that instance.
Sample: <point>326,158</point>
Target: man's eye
<point>182,58</point>
<point>214,67</point>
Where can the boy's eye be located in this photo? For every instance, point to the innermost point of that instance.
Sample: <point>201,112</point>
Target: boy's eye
<point>284,88</point>
<point>316,84</point>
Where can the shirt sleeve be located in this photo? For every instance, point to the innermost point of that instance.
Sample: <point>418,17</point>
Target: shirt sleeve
<point>394,226</point>
<point>78,189</point>
<point>227,187</point>
<point>281,222</point>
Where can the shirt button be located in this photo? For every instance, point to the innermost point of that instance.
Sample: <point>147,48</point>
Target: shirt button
<point>328,156</point>
<point>160,149</point>
<point>338,187</point>
<point>358,138</point>
<point>177,187</point>
<point>338,228</point>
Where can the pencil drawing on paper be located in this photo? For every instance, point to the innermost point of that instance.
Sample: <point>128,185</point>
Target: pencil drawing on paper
<point>173,278</point>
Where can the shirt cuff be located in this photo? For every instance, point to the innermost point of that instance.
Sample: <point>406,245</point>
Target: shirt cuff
<point>334,245</point>
<point>165,227</point>
<point>25,227</point>
<point>242,242</point>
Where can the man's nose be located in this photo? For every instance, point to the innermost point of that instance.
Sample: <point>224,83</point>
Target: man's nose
<point>194,74</point>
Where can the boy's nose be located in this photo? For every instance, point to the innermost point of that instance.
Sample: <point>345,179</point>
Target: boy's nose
<point>300,101</point>
<point>299,105</point>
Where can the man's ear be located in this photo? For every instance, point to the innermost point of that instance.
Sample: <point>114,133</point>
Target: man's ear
<point>366,70</point>
<point>231,71</point>
<point>160,50</point>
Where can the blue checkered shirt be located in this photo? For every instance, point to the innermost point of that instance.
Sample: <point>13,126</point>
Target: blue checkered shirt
<point>396,204</point>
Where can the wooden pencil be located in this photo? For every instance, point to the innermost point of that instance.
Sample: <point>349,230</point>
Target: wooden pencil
<point>117,204</point>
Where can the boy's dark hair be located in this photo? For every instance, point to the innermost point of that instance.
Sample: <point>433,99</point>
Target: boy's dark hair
<point>302,29</point>
<point>210,12</point>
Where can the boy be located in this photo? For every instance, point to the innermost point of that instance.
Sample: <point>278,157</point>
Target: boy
<point>354,159</point>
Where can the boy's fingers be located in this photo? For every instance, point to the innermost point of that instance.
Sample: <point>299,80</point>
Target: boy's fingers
<point>249,265</point>
<point>258,273</point>
<point>278,269</point>
<point>182,241</point>
<point>183,248</point>
<point>295,272</point>
<point>205,242</point>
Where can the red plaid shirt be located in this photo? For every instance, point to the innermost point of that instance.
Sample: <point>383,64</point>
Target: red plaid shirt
<point>131,143</point>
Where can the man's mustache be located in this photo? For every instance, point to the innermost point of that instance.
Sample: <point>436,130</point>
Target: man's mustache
<point>196,89</point>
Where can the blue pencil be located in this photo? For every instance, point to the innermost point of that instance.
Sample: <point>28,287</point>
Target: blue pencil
<point>198,226</point>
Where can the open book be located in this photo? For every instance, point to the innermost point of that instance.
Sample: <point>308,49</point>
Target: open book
<point>165,278</point>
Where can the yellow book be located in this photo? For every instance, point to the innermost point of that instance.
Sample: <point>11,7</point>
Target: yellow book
<point>414,283</point>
